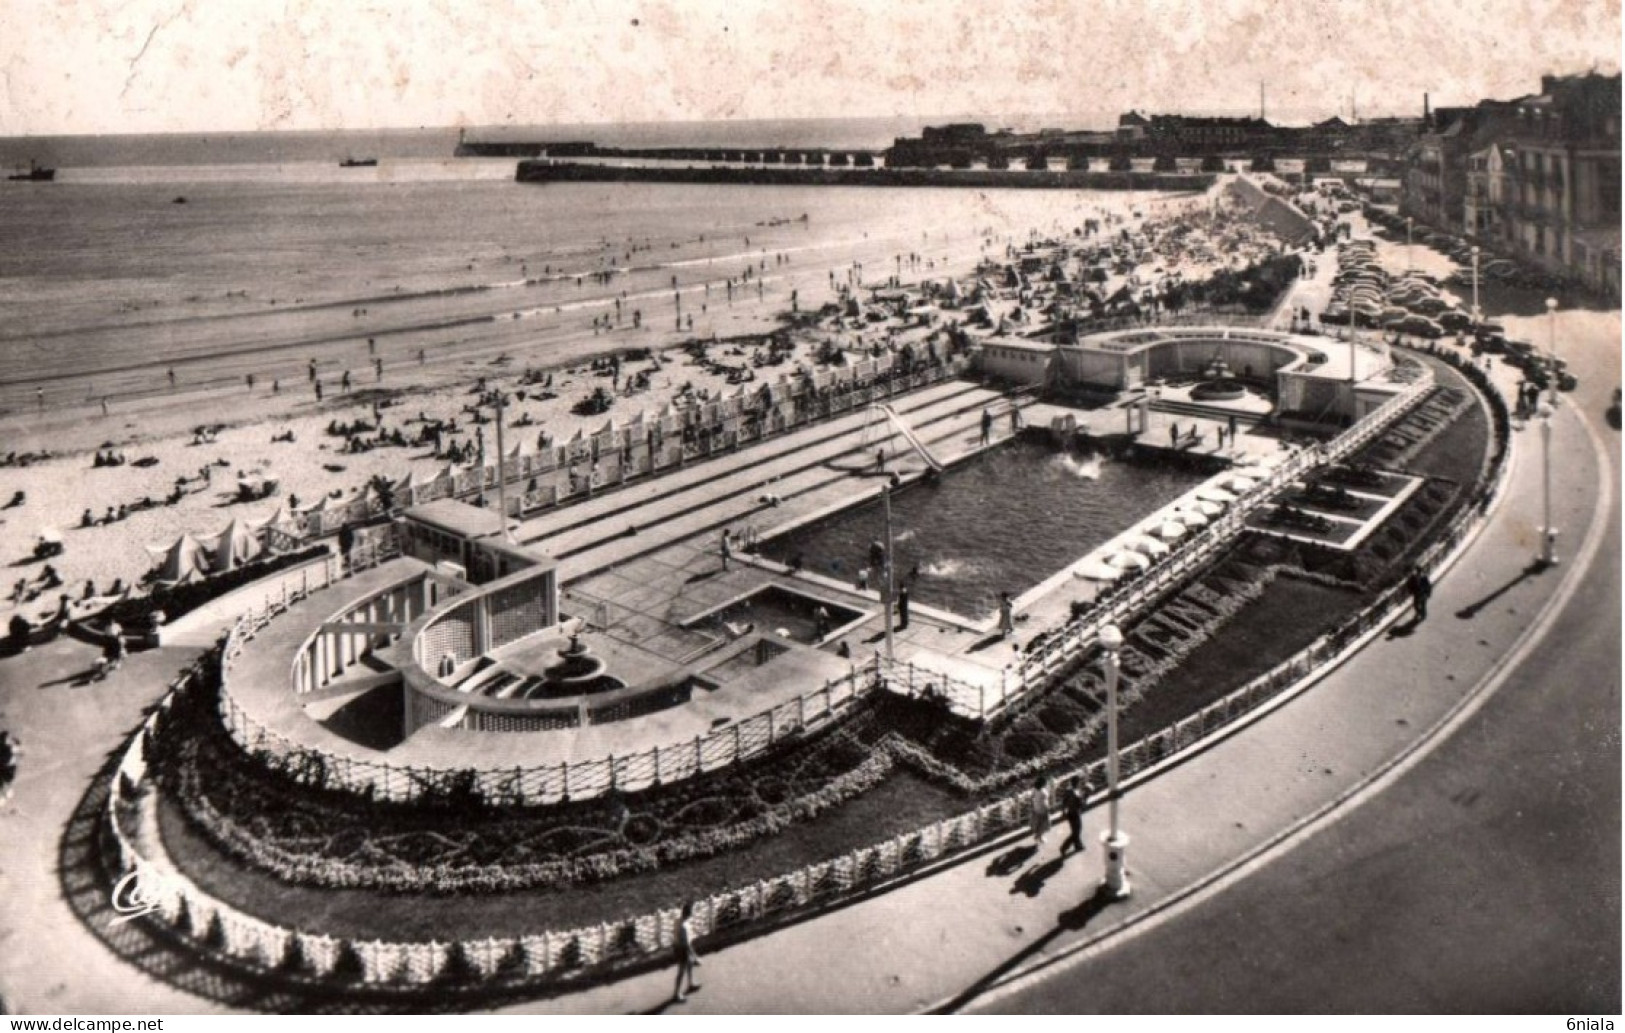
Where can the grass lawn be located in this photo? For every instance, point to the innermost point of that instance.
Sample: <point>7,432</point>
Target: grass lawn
<point>1458,452</point>
<point>1289,615</point>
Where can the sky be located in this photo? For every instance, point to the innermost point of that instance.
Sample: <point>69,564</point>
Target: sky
<point>135,66</point>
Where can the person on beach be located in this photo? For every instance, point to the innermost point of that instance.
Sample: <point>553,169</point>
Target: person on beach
<point>1007,615</point>
<point>688,958</point>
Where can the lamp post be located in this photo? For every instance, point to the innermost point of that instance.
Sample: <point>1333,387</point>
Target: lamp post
<point>1478,315</point>
<point>1548,533</point>
<point>887,590</point>
<point>1115,841</point>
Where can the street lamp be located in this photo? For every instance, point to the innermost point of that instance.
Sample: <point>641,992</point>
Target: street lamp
<point>1115,841</point>
<point>1548,533</point>
<point>1478,315</point>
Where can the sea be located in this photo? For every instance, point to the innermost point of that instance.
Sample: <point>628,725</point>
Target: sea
<point>221,254</point>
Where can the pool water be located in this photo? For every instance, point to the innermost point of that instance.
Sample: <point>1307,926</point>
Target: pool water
<point>1003,522</point>
<point>773,610</point>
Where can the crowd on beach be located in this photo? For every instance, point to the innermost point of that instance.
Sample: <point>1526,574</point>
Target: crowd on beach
<point>1136,249</point>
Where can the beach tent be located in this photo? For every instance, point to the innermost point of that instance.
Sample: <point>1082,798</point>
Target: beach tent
<point>234,546</point>
<point>180,562</point>
<point>278,518</point>
<point>1237,482</point>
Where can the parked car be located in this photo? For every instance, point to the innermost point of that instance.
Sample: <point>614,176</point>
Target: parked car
<point>1454,320</point>
<point>1419,326</point>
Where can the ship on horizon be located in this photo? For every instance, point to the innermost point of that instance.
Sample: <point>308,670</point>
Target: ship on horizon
<point>358,163</point>
<point>36,173</point>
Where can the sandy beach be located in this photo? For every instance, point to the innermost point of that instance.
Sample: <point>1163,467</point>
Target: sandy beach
<point>158,424</point>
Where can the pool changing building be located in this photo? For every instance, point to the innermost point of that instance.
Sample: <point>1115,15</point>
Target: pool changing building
<point>1316,380</point>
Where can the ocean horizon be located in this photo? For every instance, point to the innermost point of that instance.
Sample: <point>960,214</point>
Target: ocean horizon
<point>295,146</point>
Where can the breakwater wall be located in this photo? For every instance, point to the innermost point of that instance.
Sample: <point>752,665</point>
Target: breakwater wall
<point>548,171</point>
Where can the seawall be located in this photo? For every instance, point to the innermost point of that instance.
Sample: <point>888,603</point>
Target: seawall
<point>547,171</point>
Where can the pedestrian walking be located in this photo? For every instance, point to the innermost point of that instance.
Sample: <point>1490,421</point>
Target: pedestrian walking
<point>1073,797</point>
<point>104,405</point>
<point>1421,590</point>
<point>172,378</point>
<point>987,425</point>
<point>1007,615</point>
<point>902,608</point>
<point>1173,434</point>
<point>688,959</point>
<point>1230,429</point>
<point>727,551</point>
<point>1038,808</point>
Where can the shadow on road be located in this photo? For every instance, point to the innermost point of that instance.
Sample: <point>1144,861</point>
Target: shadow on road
<point>1071,920</point>
<point>1472,610</point>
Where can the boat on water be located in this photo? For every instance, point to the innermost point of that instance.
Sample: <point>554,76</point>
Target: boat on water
<point>358,163</point>
<point>36,173</point>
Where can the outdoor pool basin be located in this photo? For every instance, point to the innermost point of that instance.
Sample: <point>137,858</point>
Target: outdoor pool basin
<point>1002,522</point>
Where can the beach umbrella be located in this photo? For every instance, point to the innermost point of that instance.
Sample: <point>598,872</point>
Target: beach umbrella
<point>1096,570</point>
<point>1204,507</point>
<point>1212,493</point>
<point>1146,544</point>
<point>1128,561</point>
<point>1169,530</point>
<point>1240,482</point>
<point>1190,518</point>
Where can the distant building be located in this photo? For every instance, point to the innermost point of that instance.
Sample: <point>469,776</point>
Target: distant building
<point>1436,179</point>
<point>1564,210</point>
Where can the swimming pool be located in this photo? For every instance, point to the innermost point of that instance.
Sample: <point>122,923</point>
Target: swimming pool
<point>1002,522</point>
